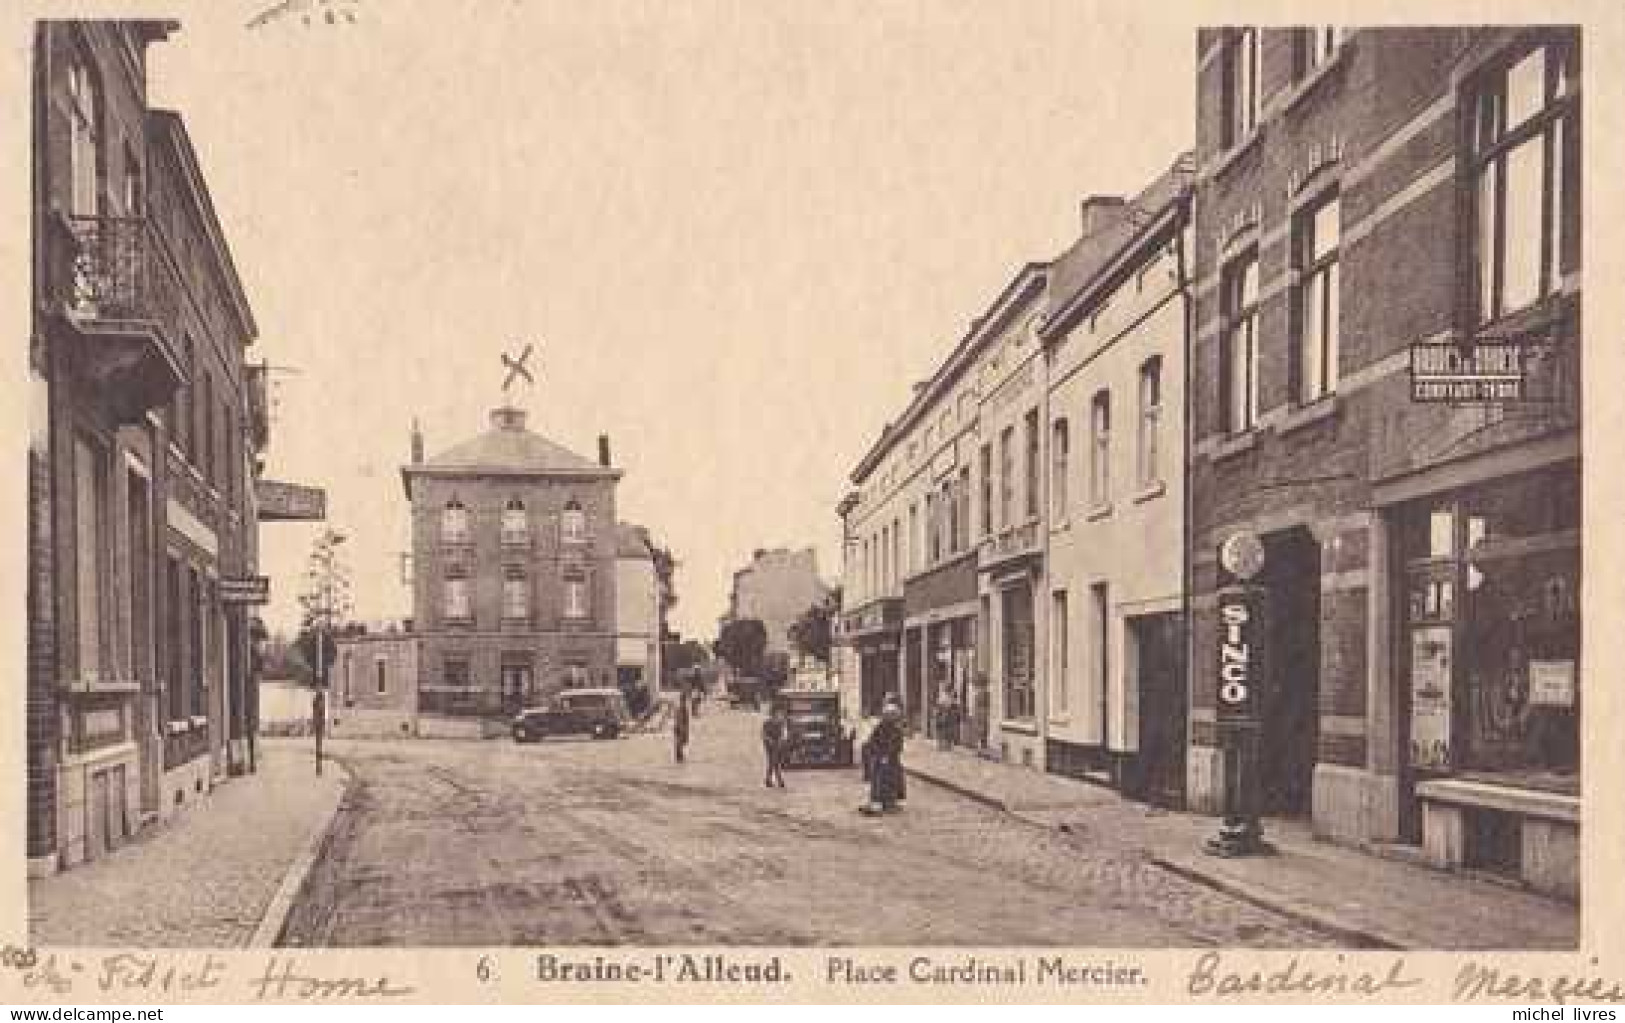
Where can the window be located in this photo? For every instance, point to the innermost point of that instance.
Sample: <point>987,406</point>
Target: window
<point>1148,472</point>
<point>456,599</point>
<point>1492,577</point>
<point>133,193</point>
<point>1031,424</point>
<point>1315,310</point>
<point>950,507</point>
<point>1059,449</point>
<point>575,676</point>
<point>175,633</point>
<point>987,489</point>
<point>454,522</point>
<point>221,469</point>
<point>204,456</point>
<point>1527,165</point>
<point>1238,354</point>
<point>91,558</point>
<point>515,595</point>
<point>962,494</point>
<point>574,523</point>
<point>1060,656</point>
<point>896,550</point>
<point>1018,653</point>
<point>575,598</point>
<point>914,537</point>
<point>934,528</point>
<point>1101,663</point>
<point>1315,47</point>
<point>515,524</point>
<point>84,139</point>
<point>454,671</point>
<point>380,668</point>
<point>1241,85</point>
<point>1007,477</point>
<point>1100,449</point>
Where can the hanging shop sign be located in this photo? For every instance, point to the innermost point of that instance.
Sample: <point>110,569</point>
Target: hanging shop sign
<point>253,589</point>
<point>289,502</point>
<point>1430,697</point>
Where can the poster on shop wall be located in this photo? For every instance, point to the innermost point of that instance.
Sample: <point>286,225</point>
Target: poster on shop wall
<point>1430,697</point>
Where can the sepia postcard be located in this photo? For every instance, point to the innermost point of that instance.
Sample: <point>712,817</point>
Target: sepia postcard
<point>902,501</point>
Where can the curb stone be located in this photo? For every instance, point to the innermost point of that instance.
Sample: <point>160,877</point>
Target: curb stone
<point>1357,935</point>
<point>1360,937</point>
<point>280,907</point>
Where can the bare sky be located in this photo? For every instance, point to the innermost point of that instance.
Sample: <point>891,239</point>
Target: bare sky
<point>736,232</point>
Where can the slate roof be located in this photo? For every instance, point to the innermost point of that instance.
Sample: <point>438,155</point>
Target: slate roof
<point>510,448</point>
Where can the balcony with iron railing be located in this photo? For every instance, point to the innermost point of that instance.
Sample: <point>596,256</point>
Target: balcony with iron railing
<point>114,290</point>
<point>1025,540</point>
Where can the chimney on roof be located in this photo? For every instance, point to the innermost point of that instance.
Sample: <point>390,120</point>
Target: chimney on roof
<point>1101,212</point>
<point>603,450</point>
<point>417,443</point>
<point>508,418</point>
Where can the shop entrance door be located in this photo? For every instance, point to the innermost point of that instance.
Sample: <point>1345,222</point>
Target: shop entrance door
<point>914,666</point>
<point>1292,697</point>
<point>1160,645</point>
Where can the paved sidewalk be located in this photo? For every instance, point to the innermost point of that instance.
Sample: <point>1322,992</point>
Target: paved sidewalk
<point>1365,898</point>
<point>204,878</point>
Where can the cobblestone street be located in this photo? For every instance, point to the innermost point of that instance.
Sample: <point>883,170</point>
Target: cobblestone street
<point>489,843</point>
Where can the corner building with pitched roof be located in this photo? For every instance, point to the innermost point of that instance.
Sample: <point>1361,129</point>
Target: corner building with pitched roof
<point>514,551</point>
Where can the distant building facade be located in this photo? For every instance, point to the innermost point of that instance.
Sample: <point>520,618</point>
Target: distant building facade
<point>777,588</point>
<point>515,552</point>
<point>145,425</point>
<point>640,599</point>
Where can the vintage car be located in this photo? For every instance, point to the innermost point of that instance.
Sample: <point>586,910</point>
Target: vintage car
<point>600,713</point>
<point>818,735</point>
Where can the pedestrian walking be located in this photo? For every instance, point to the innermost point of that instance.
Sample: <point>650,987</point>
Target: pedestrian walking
<point>679,725</point>
<point>885,756</point>
<point>775,745</point>
<point>947,716</point>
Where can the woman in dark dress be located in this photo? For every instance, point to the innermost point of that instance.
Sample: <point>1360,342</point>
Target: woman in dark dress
<point>885,762</point>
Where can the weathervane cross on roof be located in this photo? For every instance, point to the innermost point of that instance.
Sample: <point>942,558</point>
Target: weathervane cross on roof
<point>517,367</point>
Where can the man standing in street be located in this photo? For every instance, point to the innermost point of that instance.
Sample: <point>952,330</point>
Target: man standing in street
<point>679,724</point>
<point>775,737</point>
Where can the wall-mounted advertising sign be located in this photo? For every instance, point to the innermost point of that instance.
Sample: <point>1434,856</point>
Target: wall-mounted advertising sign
<point>1485,372</point>
<point>1241,634</point>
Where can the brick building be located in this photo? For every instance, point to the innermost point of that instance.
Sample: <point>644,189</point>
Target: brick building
<point>514,548</point>
<point>1363,195</point>
<point>145,424</point>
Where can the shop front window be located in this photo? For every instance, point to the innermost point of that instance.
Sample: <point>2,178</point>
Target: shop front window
<point>1018,654</point>
<point>1492,608</point>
